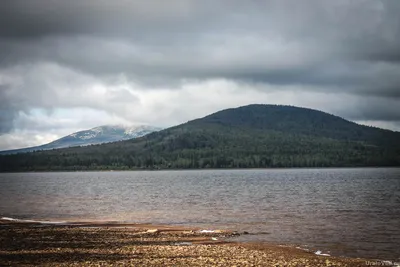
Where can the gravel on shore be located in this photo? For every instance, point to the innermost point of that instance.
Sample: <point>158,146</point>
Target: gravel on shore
<point>144,245</point>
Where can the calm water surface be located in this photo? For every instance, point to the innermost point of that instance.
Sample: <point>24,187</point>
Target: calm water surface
<point>350,212</point>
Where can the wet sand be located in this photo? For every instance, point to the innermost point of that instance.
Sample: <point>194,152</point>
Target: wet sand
<point>114,244</point>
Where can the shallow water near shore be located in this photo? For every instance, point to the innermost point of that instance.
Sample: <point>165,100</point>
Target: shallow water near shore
<point>342,212</point>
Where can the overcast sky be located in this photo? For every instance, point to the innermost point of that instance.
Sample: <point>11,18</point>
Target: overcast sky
<point>72,65</point>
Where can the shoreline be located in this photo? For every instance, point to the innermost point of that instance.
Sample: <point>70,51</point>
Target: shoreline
<point>110,243</point>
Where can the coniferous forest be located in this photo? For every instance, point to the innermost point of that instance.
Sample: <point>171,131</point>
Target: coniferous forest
<point>254,136</point>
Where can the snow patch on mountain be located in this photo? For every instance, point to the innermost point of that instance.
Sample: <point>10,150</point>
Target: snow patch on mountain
<point>135,130</point>
<point>97,135</point>
<point>114,132</point>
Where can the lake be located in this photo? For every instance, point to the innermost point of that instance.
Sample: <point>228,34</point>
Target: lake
<point>347,212</point>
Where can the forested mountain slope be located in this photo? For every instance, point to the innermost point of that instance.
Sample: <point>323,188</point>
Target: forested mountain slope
<point>252,136</point>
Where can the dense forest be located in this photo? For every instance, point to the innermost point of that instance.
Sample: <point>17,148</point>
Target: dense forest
<point>254,136</point>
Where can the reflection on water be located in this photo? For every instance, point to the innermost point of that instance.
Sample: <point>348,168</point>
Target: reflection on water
<point>352,212</point>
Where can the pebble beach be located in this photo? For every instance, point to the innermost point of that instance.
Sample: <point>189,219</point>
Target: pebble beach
<point>111,244</point>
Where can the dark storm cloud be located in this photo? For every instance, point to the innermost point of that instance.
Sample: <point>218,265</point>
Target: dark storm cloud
<point>377,109</point>
<point>345,46</point>
<point>7,111</point>
<point>7,116</point>
<point>39,18</point>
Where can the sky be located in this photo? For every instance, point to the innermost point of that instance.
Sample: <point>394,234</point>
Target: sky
<point>72,65</point>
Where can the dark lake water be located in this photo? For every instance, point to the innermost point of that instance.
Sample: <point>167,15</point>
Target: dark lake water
<point>349,212</point>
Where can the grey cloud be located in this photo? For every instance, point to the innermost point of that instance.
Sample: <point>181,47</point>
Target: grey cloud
<point>39,18</point>
<point>7,112</point>
<point>260,41</point>
<point>49,86</point>
<point>374,110</point>
<point>106,57</point>
<point>345,46</point>
<point>7,117</point>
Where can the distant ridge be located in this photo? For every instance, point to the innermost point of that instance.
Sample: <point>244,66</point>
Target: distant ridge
<point>97,135</point>
<point>253,136</point>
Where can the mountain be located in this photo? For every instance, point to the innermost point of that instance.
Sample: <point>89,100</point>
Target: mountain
<point>254,136</point>
<point>97,135</point>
